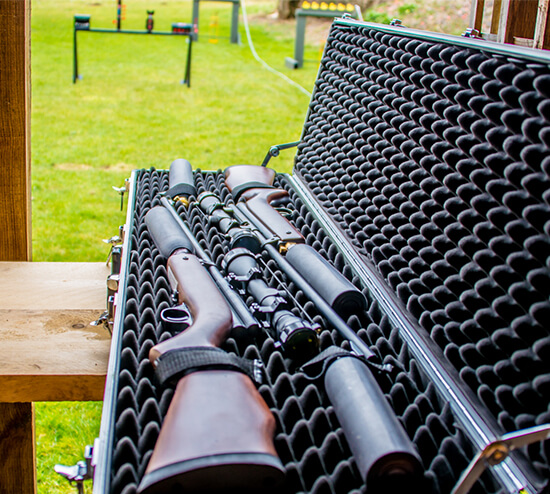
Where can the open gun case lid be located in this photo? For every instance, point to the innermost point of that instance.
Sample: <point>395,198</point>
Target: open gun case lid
<point>423,175</point>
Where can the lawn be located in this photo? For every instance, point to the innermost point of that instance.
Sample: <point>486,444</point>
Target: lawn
<point>131,111</point>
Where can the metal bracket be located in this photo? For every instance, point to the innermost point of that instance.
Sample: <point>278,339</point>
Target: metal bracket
<point>471,33</point>
<point>115,241</point>
<point>496,452</point>
<point>122,190</point>
<point>80,472</point>
<point>275,150</point>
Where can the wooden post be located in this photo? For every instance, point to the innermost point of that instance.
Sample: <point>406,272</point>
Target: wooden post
<point>17,468</point>
<point>540,26</point>
<point>476,14</point>
<point>17,450</point>
<point>15,209</point>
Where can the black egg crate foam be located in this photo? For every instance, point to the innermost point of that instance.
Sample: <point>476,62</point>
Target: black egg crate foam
<point>432,160</point>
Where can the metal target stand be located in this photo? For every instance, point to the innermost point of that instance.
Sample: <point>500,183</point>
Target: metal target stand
<point>82,23</point>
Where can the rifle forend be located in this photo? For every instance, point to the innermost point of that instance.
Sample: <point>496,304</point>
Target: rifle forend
<point>217,435</point>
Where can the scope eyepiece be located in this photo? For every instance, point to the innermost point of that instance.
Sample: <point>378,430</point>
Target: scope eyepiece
<point>299,338</point>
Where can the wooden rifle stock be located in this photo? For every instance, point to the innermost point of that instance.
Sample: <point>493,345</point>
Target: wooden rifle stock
<point>217,435</point>
<point>254,185</point>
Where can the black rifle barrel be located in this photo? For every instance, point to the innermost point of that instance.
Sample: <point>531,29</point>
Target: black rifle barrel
<point>249,322</point>
<point>242,213</point>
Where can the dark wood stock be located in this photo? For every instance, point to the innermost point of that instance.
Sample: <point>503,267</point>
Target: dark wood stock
<point>218,432</point>
<point>258,202</point>
<point>216,414</point>
<point>241,174</point>
<point>212,318</point>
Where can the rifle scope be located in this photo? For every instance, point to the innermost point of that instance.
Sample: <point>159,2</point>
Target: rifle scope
<point>298,338</point>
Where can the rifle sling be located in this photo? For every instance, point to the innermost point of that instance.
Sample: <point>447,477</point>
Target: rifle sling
<point>175,364</point>
<point>317,366</point>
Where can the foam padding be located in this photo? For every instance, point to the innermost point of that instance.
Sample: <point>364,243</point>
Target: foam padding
<point>433,160</point>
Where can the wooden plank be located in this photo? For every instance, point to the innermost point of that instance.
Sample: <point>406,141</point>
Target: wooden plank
<point>17,468</point>
<point>476,14</point>
<point>50,350</point>
<point>495,16</point>
<point>522,17</point>
<point>540,26</point>
<point>503,21</point>
<point>53,285</point>
<point>15,215</point>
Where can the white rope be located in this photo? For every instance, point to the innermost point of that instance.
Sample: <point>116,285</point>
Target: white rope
<point>259,60</point>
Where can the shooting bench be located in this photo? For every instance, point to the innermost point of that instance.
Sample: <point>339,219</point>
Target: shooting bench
<point>50,352</point>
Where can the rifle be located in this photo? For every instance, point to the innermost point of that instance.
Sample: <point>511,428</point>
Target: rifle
<point>297,337</point>
<point>217,435</point>
<point>252,188</point>
<point>235,225</point>
<point>384,454</point>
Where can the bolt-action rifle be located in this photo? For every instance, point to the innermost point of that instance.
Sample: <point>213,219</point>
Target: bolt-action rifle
<point>321,282</point>
<point>252,188</point>
<point>217,435</point>
<point>296,337</point>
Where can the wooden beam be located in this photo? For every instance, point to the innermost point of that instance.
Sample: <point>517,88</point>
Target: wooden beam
<point>495,16</point>
<point>17,468</point>
<point>540,25</point>
<point>15,209</point>
<point>476,14</point>
<point>50,350</point>
<point>521,20</point>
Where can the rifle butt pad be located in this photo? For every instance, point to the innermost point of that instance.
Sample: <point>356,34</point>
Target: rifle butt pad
<point>384,454</point>
<point>242,473</point>
<point>326,280</point>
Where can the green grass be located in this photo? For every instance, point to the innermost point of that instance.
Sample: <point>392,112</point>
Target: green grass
<point>131,111</point>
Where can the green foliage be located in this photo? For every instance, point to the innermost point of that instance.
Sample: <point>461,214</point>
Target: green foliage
<point>406,9</point>
<point>62,432</point>
<point>379,17</point>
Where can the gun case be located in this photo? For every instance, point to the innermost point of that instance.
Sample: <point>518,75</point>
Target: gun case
<point>423,175</point>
